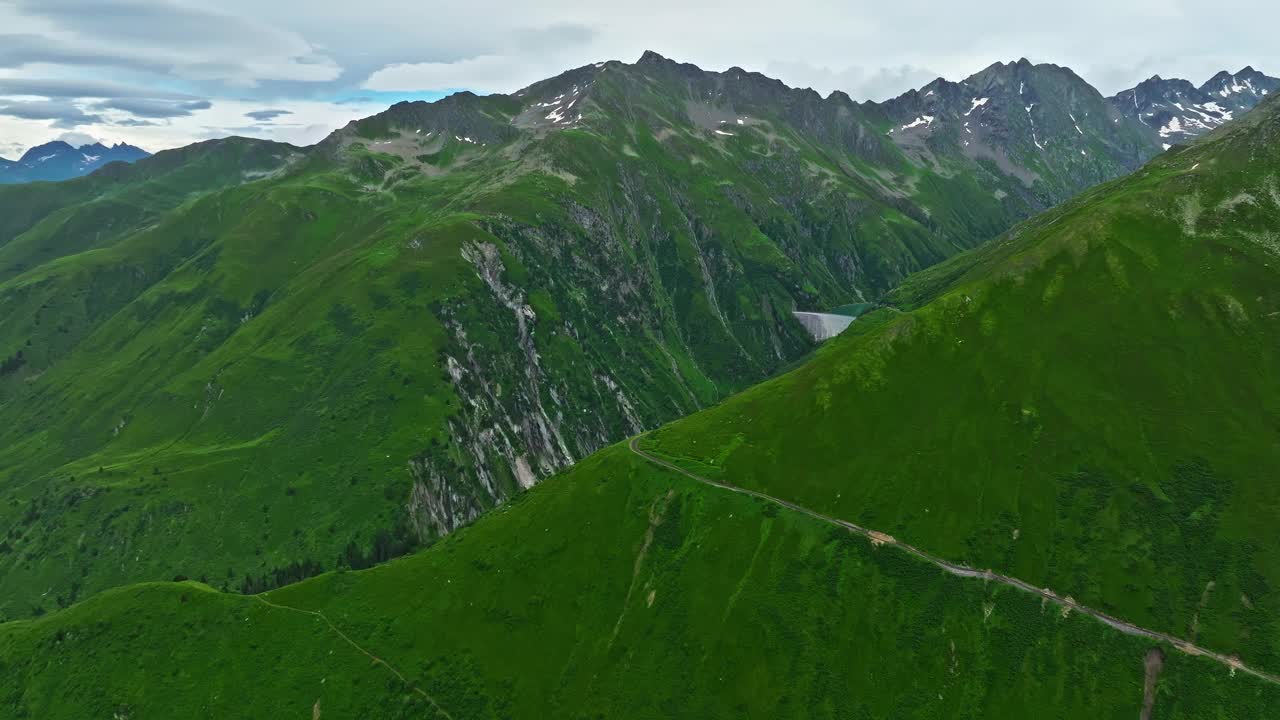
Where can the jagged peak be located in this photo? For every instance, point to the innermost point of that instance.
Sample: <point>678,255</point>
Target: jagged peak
<point>573,76</point>
<point>649,57</point>
<point>1019,68</point>
<point>1020,64</point>
<point>1248,74</point>
<point>55,146</point>
<point>840,96</point>
<point>451,98</point>
<point>1157,80</point>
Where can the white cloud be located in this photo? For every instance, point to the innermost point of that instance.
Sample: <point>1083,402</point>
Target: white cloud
<point>227,117</point>
<point>485,74</point>
<point>160,36</point>
<point>224,118</point>
<point>76,139</point>
<point>876,83</point>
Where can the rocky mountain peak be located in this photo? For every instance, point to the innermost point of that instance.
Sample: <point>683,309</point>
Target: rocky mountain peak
<point>649,57</point>
<point>44,151</point>
<point>1176,111</point>
<point>1241,90</point>
<point>59,160</point>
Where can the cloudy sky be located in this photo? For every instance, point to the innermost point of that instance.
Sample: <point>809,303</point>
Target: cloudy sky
<point>164,73</point>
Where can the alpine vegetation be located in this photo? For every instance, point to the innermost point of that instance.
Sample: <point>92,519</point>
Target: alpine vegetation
<point>419,377</point>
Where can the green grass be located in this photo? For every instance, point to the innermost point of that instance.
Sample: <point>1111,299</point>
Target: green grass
<point>853,309</point>
<point>92,661</point>
<point>1086,403</point>
<point>542,609</point>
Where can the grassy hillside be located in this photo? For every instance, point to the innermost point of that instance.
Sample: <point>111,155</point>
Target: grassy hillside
<point>243,362</point>
<point>615,590</point>
<point>1090,403</point>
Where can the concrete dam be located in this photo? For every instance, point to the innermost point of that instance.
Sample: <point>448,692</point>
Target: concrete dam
<point>823,326</point>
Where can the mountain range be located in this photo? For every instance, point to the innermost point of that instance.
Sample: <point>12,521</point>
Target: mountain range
<point>242,358</point>
<point>1175,109</point>
<point>1034,481</point>
<point>58,160</point>
<point>439,305</point>
<point>1178,111</point>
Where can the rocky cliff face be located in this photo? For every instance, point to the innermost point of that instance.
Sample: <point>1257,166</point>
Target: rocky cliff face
<point>1045,131</point>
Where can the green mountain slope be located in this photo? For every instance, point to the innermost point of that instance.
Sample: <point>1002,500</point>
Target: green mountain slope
<point>242,360</point>
<point>1088,403</point>
<point>616,590</point>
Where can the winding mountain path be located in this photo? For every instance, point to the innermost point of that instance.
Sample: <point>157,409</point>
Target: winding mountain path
<point>879,538</point>
<point>374,658</point>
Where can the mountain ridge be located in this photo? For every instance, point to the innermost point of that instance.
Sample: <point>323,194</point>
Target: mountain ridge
<point>1178,111</point>
<point>58,160</point>
<point>354,349</point>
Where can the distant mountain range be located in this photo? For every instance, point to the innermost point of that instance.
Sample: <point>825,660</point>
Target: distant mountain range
<point>1006,114</point>
<point>1043,123</point>
<point>1177,111</point>
<point>58,160</point>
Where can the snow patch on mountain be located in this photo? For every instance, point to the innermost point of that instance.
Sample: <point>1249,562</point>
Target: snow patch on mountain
<point>925,120</point>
